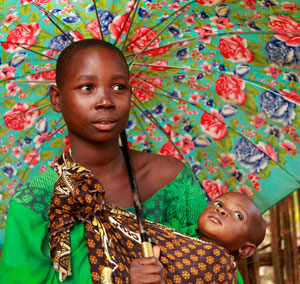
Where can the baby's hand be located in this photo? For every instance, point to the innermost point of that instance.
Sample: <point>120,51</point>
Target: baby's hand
<point>147,269</point>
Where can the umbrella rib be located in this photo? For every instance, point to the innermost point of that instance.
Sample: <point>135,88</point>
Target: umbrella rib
<point>154,120</point>
<point>98,20</point>
<point>135,6</point>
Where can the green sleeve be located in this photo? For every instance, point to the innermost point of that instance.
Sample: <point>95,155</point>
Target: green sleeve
<point>23,258</point>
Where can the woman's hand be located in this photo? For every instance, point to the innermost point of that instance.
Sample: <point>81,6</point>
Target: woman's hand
<point>147,269</point>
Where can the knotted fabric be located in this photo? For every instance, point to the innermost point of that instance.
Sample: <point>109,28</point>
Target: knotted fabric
<point>112,235</point>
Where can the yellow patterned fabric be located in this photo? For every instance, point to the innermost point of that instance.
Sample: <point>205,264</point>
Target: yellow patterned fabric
<point>113,239</point>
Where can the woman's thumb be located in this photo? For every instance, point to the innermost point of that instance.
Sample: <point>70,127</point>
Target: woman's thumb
<point>156,251</point>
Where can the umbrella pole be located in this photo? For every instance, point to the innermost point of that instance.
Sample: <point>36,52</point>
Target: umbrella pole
<point>146,244</point>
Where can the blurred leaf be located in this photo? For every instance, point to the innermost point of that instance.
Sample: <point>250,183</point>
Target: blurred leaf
<point>225,145</point>
<point>265,173</point>
<point>47,155</point>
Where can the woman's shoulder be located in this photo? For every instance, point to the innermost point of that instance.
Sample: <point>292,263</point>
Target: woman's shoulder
<point>158,165</point>
<point>36,193</point>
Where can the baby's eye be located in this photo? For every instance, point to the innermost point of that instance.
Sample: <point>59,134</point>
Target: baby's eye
<point>239,216</point>
<point>218,204</point>
<point>86,87</point>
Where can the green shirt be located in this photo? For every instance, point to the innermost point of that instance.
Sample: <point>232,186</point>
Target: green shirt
<point>25,256</point>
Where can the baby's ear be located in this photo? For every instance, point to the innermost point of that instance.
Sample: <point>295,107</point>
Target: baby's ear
<point>55,97</point>
<point>246,250</point>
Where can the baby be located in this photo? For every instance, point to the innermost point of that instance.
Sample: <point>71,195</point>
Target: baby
<point>234,222</point>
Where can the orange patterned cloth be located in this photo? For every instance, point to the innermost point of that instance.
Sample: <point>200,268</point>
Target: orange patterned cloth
<point>113,238</point>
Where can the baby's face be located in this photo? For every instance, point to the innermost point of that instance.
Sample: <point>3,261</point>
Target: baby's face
<point>227,220</point>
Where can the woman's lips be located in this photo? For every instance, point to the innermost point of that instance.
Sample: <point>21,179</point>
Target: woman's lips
<point>105,124</point>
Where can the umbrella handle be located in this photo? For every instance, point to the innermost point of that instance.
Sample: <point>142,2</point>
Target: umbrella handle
<point>146,244</point>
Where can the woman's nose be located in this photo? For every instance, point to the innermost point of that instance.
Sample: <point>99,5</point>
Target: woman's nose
<point>104,100</point>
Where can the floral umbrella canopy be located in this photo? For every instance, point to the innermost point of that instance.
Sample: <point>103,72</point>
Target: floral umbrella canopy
<point>215,83</point>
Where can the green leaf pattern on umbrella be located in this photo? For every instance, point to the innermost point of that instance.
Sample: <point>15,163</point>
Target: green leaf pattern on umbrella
<point>215,83</point>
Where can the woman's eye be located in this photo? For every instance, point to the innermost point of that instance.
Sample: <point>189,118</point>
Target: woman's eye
<point>218,204</point>
<point>118,87</point>
<point>239,216</point>
<point>86,87</point>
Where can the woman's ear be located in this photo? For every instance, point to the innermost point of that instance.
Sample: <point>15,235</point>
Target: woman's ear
<point>55,95</point>
<point>246,250</point>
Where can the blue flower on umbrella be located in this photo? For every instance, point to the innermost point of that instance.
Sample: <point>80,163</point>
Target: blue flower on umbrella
<point>222,67</point>
<point>242,70</point>
<point>175,31</point>
<point>9,170</point>
<point>42,125</point>
<point>27,140</point>
<point>55,11</point>
<point>175,93</point>
<point>281,54</point>
<point>196,167</point>
<point>222,10</point>
<point>90,8</point>
<point>130,124</point>
<point>209,103</point>
<point>200,76</point>
<point>203,15</point>
<point>105,17</point>
<point>237,174</point>
<point>252,25</point>
<point>72,18</point>
<point>178,78</point>
<point>61,41</point>
<point>274,130</point>
<point>188,127</point>
<point>158,109</point>
<point>143,13</point>
<point>250,156</point>
<point>291,77</point>
<point>201,46</point>
<point>182,54</point>
<point>201,141</point>
<point>18,59</point>
<point>228,111</point>
<point>268,3</point>
<point>274,106</point>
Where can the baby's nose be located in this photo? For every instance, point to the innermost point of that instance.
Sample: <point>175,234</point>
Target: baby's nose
<point>222,211</point>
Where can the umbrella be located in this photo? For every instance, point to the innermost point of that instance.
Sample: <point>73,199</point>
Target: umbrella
<point>215,83</point>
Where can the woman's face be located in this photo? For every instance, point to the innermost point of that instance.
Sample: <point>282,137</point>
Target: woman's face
<point>94,98</point>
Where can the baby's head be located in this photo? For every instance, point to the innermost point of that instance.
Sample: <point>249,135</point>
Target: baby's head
<point>233,221</point>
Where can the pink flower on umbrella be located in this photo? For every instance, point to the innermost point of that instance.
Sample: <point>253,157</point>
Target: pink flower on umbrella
<point>170,150</point>
<point>289,146</point>
<point>12,89</point>
<point>226,159</point>
<point>235,49</point>
<point>146,37</point>
<point>230,89</point>
<point>10,18</point>
<point>249,4</point>
<point>21,117</point>
<point>221,22</point>
<point>120,26</point>
<point>22,34</point>
<point>214,188</point>
<point>34,77</point>
<point>7,71</point>
<point>258,120</point>
<point>32,159</point>
<point>17,151</point>
<point>210,2</point>
<point>289,29</point>
<point>168,129</point>
<point>273,71</point>
<point>36,2</point>
<point>93,27</point>
<point>51,53</point>
<point>205,32</point>
<point>213,125</point>
<point>49,75</point>
<point>40,139</point>
<point>246,190</point>
<point>159,65</point>
<point>292,96</point>
<point>289,6</point>
<point>144,89</point>
<point>186,143</point>
<point>268,150</point>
